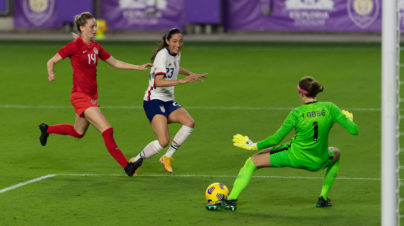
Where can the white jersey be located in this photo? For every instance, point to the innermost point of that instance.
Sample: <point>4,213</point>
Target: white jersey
<point>168,65</point>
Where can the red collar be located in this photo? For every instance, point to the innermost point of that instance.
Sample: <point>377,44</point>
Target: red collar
<point>85,44</point>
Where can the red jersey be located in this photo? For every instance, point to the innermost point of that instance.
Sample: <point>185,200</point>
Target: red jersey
<point>84,59</point>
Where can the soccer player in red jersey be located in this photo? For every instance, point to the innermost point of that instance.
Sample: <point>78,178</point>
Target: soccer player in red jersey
<point>84,53</point>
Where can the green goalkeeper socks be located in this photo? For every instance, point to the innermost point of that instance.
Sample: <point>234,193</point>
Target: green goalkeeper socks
<point>329,179</point>
<point>243,179</point>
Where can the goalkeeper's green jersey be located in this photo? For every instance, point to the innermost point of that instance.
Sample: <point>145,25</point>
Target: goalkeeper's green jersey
<point>312,123</point>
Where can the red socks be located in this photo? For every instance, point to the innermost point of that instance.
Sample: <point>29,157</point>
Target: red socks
<point>64,129</point>
<point>67,129</point>
<point>113,148</point>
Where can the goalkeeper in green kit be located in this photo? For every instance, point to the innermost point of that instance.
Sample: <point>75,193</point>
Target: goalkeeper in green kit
<point>308,150</point>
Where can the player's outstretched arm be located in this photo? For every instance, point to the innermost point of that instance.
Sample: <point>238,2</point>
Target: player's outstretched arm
<point>50,66</point>
<point>244,142</point>
<point>161,82</point>
<point>123,65</point>
<point>196,77</point>
<point>347,122</point>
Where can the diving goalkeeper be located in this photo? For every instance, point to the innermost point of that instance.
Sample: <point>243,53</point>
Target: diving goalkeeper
<point>308,150</point>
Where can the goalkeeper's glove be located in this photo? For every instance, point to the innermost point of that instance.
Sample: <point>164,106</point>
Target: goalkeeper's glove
<point>244,142</point>
<point>348,114</point>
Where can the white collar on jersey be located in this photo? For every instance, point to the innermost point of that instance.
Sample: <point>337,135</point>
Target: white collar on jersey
<point>170,52</point>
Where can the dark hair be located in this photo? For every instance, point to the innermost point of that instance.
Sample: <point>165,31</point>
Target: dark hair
<point>310,85</point>
<point>81,20</point>
<point>163,44</point>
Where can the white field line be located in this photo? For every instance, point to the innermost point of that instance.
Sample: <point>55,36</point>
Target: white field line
<point>26,182</point>
<point>267,48</point>
<point>246,108</point>
<point>166,175</point>
<point>219,176</point>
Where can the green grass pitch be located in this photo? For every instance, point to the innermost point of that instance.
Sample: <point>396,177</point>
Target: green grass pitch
<point>250,89</point>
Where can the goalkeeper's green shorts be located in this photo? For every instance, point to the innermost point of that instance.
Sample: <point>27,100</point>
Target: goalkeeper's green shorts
<point>280,156</point>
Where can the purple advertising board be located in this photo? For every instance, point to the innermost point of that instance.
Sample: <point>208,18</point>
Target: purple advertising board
<point>401,8</point>
<point>303,15</point>
<point>3,6</point>
<point>203,12</point>
<point>254,15</point>
<point>68,9</point>
<point>143,14</point>
<point>35,14</point>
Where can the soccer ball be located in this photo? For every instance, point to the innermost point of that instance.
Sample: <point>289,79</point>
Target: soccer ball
<point>216,192</point>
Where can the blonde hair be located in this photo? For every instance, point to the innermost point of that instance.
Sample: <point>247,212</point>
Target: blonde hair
<point>81,20</point>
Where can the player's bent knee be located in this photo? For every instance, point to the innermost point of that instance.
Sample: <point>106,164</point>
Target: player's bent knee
<point>261,160</point>
<point>333,149</point>
<point>79,131</point>
<point>78,134</point>
<point>164,142</point>
<point>336,153</point>
<point>190,123</point>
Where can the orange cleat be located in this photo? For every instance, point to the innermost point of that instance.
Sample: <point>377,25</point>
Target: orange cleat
<point>166,162</point>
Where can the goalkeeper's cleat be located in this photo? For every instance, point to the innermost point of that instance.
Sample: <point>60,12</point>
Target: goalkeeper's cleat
<point>230,205</point>
<point>133,166</point>
<point>321,202</point>
<point>214,206</point>
<point>166,162</point>
<point>44,133</point>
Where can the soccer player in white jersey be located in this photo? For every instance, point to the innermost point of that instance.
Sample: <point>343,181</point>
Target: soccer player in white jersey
<point>159,103</point>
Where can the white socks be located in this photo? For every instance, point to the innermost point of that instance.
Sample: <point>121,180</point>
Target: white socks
<point>154,147</point>
<point>151,149</point>
<point>179,139</point>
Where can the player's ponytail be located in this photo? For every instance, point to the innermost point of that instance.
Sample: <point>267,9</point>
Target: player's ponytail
<point>163,44</point>
<point>81,20</point>
<point>310,87</point>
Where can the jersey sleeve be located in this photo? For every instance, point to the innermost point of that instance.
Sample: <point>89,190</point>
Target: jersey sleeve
<point>160,63</point>
<point>68,50</point>
<point>289,123</point>
<point>103,54</point>
<point>343,120</point>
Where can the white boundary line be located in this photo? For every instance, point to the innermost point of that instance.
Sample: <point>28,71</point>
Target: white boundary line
<point>219,176</point>
<point>26,182</point>
<point>166,175</point>
<point>247,108</point>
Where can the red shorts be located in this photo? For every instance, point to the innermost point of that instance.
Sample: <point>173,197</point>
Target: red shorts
<point>82,101</point>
